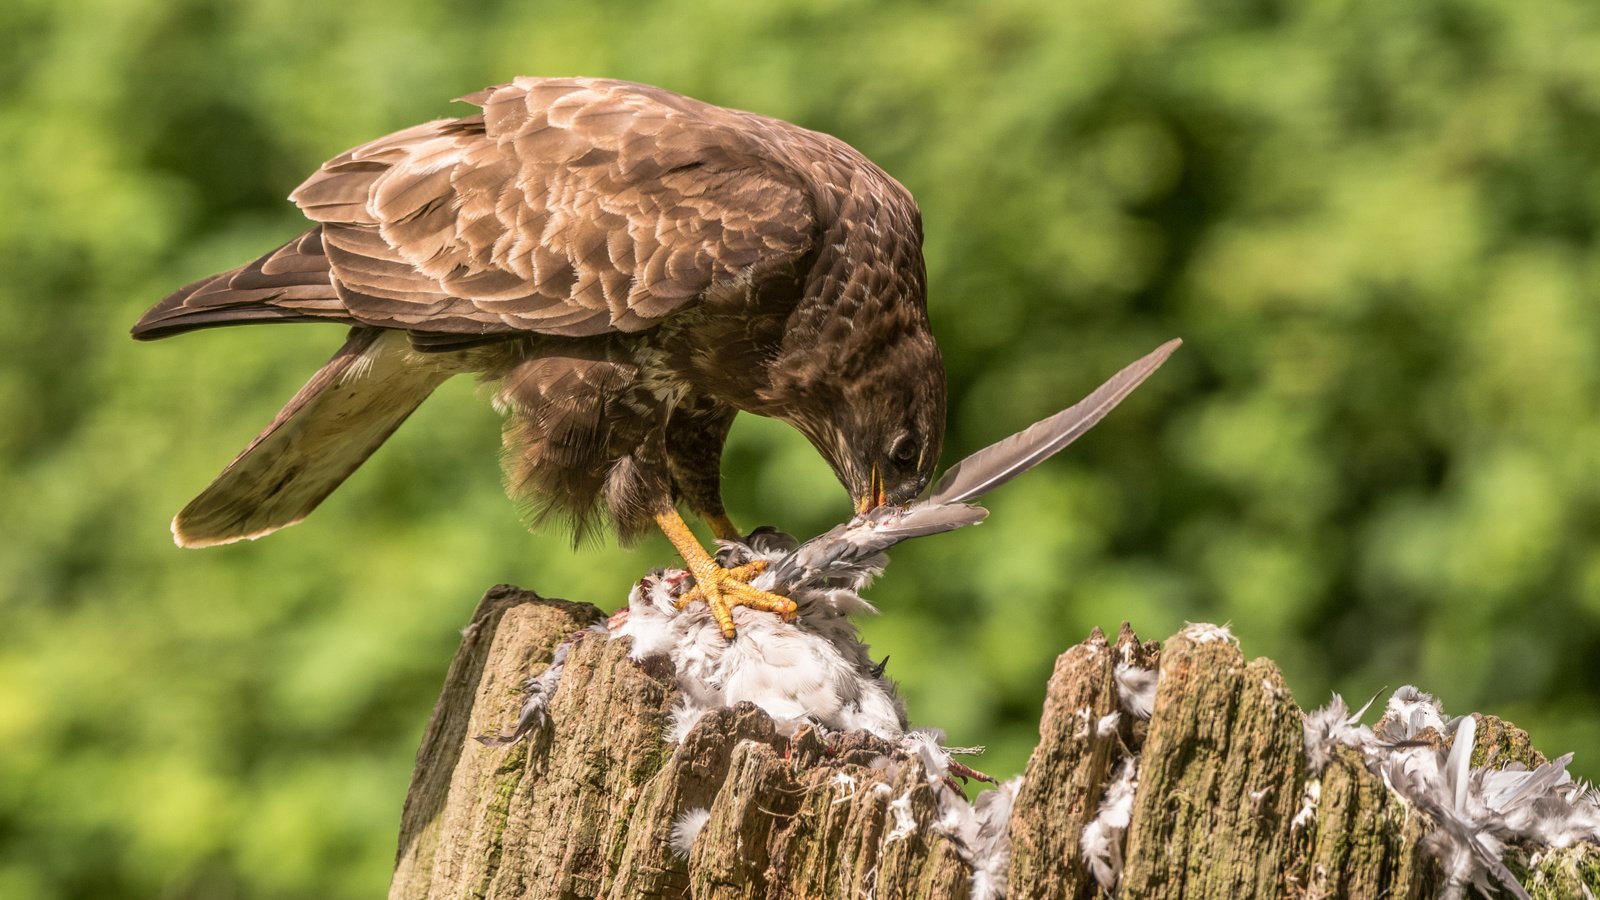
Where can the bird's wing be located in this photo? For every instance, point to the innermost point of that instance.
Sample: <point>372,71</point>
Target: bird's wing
<point>569,206</point>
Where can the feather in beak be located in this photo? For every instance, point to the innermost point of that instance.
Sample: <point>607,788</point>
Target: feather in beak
<point>852,551</point>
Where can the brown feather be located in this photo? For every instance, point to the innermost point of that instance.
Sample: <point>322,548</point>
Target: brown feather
<point>589,173</point>
<point>290,284</point>
<point>349,407</point>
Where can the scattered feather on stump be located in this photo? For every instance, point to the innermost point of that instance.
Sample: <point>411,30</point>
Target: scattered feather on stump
<point>1181,770</point>
<point>1477,812</point>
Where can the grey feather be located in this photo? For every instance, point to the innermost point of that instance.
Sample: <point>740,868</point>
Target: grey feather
<point>1000,462</point>
<point>852,553</point>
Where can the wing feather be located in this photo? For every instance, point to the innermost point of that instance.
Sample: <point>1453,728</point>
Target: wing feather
<point>290,284</point>
<point>850,552</point>
<point>569,206</point>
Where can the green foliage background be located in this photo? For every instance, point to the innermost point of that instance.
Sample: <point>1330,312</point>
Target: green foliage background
<point>1378,455</point>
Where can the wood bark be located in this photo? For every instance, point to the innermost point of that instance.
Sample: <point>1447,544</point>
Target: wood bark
<point>585,806</point>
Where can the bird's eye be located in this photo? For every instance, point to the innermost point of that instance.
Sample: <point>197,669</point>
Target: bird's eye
<point>904,450</point>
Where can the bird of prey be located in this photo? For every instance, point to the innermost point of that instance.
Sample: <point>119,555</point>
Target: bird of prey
<point>631,268</point>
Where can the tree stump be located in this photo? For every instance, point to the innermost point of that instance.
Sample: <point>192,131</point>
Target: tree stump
<point>587,804</point>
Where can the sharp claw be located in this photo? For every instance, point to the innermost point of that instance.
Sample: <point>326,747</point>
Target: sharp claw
<point>724,589</point>
<point>749,570</point>
<point>759,599</point>
<point>690,596</point>
<point>724,617</point>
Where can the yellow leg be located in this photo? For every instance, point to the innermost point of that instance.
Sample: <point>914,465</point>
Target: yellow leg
<point>721,589</point>
<point>723,527</point>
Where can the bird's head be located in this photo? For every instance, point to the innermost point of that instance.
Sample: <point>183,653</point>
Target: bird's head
<point>892,460</point>
<point>880,425</point>
<point>859,372</point>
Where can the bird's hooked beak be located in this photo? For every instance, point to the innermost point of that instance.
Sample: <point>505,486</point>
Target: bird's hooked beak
<point>873,498</point>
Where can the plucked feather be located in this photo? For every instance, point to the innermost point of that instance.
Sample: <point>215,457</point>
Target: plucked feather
<point>852,550</point>
<point>851,553</point>
<point>1000,462</point>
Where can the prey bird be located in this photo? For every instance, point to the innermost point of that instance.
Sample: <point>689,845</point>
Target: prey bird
<point>630,268</point>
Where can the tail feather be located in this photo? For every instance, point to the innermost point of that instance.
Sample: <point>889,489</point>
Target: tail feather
<point>348,408</point>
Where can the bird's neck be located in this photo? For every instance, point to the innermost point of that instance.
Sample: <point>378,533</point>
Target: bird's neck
<point>864,293</point>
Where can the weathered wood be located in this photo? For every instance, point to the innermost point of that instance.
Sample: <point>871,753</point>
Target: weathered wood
<point>459,806</point>
<point>1216,778</point>
<point>1066,772</point>
<point>1360,839</point>
<point>586,805</point>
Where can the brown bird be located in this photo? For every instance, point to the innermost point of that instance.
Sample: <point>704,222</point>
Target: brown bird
<point>630,267</point>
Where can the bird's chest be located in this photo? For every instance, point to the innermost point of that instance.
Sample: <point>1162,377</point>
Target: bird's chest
<point>724,348</point>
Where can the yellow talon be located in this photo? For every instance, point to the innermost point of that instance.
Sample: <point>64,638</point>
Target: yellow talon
<point>748,572</point>
<point>721,589</point>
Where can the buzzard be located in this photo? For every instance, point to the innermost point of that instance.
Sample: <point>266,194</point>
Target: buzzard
<point>630,268</point>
